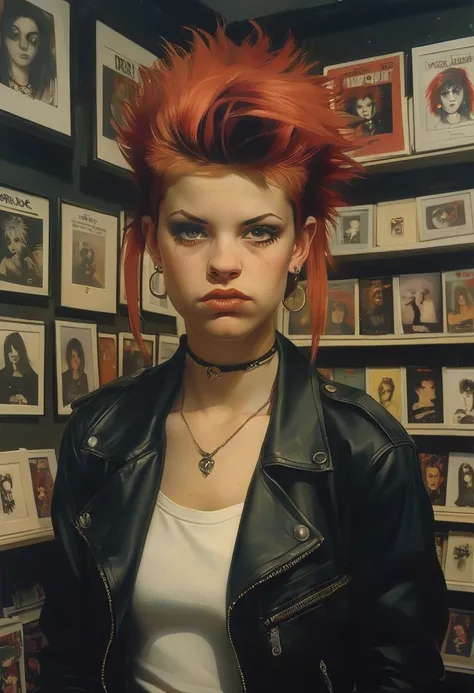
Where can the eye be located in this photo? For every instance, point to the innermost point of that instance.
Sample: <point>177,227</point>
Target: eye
<point>457,90</point>
<point>263,235</point>
<point>33,39</point>
<point>184,232</point>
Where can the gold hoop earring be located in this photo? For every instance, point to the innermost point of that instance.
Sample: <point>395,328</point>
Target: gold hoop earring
<point>295,298</point>
<point>157,284</point>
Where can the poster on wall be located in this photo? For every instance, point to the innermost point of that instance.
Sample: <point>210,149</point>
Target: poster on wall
<point>21,368</point>
<point>373,92</point>
<point>118,62</point>
<point>24,243</point>
<point>443,92</point>
<point>34,62</point>
<point>77,368</point>
<point>88,259</point>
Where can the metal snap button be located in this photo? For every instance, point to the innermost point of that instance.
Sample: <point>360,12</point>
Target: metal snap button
<point>320,458</point>
<point>330,388</point>
<point>92,442</point>
<point>85,520</point>
<point>301,533</point>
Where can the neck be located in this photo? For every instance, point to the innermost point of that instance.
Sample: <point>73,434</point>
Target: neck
<point>21,75</point>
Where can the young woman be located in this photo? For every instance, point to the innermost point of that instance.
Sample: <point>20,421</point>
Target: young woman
<point>74,379</point>
<point>229,521</point>
<point>18,380</point>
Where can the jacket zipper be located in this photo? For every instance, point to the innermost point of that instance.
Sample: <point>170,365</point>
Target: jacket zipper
<point>324,671</point>
<point>111,613</point>
<point>280,570</point>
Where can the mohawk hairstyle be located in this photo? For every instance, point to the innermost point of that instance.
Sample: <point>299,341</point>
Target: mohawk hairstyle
<point>218,106</point>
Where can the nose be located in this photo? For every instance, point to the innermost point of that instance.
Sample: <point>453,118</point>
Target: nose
<point>224,262</point>
<point>23,44</point>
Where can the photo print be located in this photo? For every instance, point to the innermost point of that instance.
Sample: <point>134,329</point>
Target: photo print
<point>89,242</point>
<point>459,396</point>
<point>353,231</point>
<point>460,493</point>
<point>43,467</point>
<point>459,292</point>
<point>424,395</point>
<point>77,368</point>
<point>459,565</point>
<point>421,303</point>
<point>161,306</point>
<point>441,542</point>
<point>397,223</point>
<point>298,325</point>
<point>458,645</point>
<point>341,319</point>
<point>24,243</point>
<point>443,93</point>
<point>167,346</point>
<point>12,662</point>
<point>434,468</point>
<point>372,91</point>
<point>17,503</point>
<point>108,359</point>
<point>385,386</point>
<point>355,377</point>
<point>445,216</point>
<point>131,358</point>
<point>21,368</point>
<point>376,306</point>
<point>118,62</point>
<point>34,62</point>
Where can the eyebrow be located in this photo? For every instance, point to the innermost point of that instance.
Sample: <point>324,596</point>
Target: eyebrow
<point>198,220</point>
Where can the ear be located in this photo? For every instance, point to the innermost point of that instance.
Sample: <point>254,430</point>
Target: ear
<point>302,244</point>
<point>150,234</point>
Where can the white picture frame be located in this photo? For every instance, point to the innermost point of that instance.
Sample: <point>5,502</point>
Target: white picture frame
<point>130,358</point>
<point>77,367</point>
<point>43,468</point>
<point>353,230</point>
<point>167,344</point>
<point>458,405</point>
<point>48,88</point>
<point>459,496</point>
<point>396,223</point>
<point>23,341</point>
<point>448,215</point>
<point>89,241</point>
<point>24,242</point>
<point>117,59</point>
<point>12,642</point>
<point>459,563</point>
<point>17,503</point>
<point>150,303</point>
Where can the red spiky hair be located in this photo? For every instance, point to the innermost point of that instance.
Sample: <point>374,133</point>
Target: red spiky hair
<point>218,106</point>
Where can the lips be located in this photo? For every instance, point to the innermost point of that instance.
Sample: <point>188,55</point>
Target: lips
<point>224,294</point>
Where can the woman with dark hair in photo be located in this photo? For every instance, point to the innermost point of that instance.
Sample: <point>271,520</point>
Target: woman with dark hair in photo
<point>366,104</point>
<point>229,521</point>
<point>20,267</point>
<point>466,486</point>
<point>461,318</point>
<point>18,380</point>
<point>27,62</point>
<point>74,380</point>
<point>450,97</point>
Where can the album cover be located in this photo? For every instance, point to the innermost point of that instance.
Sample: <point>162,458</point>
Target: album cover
<point>341,318</point>
<point>424,395</point>
<point>434,468</point>
<point>441,541</point>
<point>373,92</point>
<point>458,646</point>
<point>460,490</point>
<point>108,359</point>
<point>77,368</point>
<point>445,216</point>
<point>355,377</point>
<point>385,386</point>
<point>43,467</point>
<point>397,223</point>
<point>459,565</point>
<point>353,230</point>
<point>459,396</point>
<point>421,303</point>
<point>131,358</point>
<point>12,662</point>
<point>17,501</point>
<point>21,368</point>
<point>459,292</point>
<point>376,306</point>
<point>443,91</point>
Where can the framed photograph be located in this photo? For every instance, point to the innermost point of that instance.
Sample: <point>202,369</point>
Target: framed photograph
<point>421,303</point>
<point>387,387</point>
<point>341,314</point>
<point>297,326</point>
<point>445,216</point>
<point>34,641</point>
<point>21,368</point>
<point>376,312</point>
<point>327,373</point>
<point>355,377</point>
<point>434,469</point>
<point>459,565</point>
<point>458,386</point>
<point>108,358</point>
<point>126,219</point>
<point>397,223</point>
<point>458,645</point>
<point>443,88</point>
<point>424,395</point>
<point>460,492</point>
<point>77,367</point>
<point>373,92</point>
<point>18,510</point>
<point>167,345</point>
<point>12,661</point>
<point>118,62</point>
<point>131,358</point>
<point>88,259</point>
<point>441,542</point>
<point>24,243</point>
<point>151,303</point>
<point>43,467</point>
<point>353,230</point>
<point>34,62</point>
<point>459,301</point>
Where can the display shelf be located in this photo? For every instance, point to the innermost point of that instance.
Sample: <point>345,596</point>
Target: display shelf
<point>460,586</point>
<point>438,430</point>
<point>459,670</point>
<point>386,340</point>
<point>34,536</point>
<point>460,516</point>
<point>410,162</point>
<point>454,245</point>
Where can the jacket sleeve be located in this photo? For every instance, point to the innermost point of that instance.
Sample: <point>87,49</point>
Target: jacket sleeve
<point>400,600</point>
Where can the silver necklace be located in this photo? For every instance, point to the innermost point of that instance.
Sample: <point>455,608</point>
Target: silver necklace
<point>207,462</point>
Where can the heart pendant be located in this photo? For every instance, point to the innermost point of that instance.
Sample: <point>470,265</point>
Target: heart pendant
<point>213,372</point>
<point>206,465</point>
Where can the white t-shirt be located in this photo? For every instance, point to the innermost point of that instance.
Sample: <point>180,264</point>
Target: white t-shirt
<point>179,602</point>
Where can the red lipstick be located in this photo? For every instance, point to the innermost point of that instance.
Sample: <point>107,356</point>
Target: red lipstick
<point>225,300</point>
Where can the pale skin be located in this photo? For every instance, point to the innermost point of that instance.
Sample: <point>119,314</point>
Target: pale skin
<point>225,254</point>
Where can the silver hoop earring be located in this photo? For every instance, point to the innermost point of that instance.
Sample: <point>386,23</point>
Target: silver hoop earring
<point>295,300</point>
<point>157,284</point>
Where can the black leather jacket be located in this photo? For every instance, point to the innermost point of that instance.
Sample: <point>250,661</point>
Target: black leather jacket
<point>334,581</point>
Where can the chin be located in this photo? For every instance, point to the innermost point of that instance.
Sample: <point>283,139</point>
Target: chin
<point>229,327</point>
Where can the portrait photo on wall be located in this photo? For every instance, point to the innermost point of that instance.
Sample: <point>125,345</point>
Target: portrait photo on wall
<point>108,359</point>
<point>167,345</point>
<point>445,216</point>
<point>421,303</point>
<point>460,493</point>
<point>386,386</point>
<point>17,503</point>
<point>89,242</point>
<point>12,661</point>
<point>154,296</point>
<point>441,543</point>
<point>424,395</point>
<point>34,62</point>
<point>355,377</point>
<point>43,468</point>
<point>21,368</point>
<point>24,243</point>
<point>297,322</point>
<point>459,566</point>
<point>118,62</point>
<point>341,310</point>
<point>443,94</point>
<point>458,646</point>
<point>131,358</point>
<point>459,293</point>
<point>77,367</point>
<point>372,91</point>
<point>396,223</point>
<point>376,312</point>
<point>458,387</point>
<point>434,468</point>
<point>353,230</point>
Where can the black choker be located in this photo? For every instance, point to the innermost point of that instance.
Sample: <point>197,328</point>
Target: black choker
<point>214,371</point>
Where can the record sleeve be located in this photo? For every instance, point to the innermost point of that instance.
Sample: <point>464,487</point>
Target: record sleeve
<point>424,395</point>
<point>459,296</point>
<point>421,304</point>
<point>341,313</point>
<point>376,306</point>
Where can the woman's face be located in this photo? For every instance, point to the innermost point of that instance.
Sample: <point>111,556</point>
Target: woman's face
<point>461,299</point>
<point>13,356</point>
<point>468,400</point>
<point>15,245</point>
<point>385,394</point>
<point>451,98</point>
<point>226,234</point>
<point>75,361</point>
<point>365,108</point>
<point>338,313</point>
<point>23,41</point>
